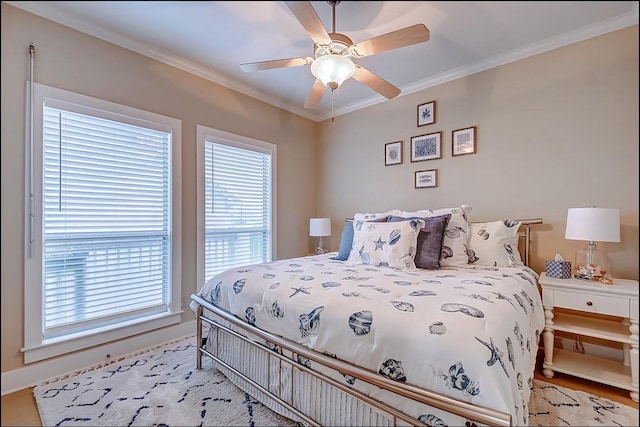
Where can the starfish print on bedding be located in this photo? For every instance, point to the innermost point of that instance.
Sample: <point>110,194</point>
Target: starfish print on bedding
<point>496,354</point>
<point>300,289</point>
<point>379,243</point>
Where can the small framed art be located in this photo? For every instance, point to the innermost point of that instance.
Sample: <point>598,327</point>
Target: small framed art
<point>464,141</point>
<point>393,153</point>
<point>426,179</point>
<point>427,113</point>
<point>426,147</point>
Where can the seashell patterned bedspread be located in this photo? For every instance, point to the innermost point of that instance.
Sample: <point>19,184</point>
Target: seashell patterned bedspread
<point>470,333</point>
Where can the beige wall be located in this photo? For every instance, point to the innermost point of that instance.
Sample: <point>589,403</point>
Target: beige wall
<point>73,61</point>
<point>556,130</point>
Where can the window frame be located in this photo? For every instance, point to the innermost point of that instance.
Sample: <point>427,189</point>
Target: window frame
<point>204,133</point>
<point>37,348</point>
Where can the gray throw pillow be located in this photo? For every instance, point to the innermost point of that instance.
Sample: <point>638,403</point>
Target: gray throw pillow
<point>430,238</point>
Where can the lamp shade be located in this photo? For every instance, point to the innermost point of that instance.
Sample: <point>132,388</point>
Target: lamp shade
<point>332,70</point>
<point>593,224</point>
<point>319,227</point>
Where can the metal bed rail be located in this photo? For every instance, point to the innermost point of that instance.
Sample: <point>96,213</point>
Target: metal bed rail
<point>464,409</point>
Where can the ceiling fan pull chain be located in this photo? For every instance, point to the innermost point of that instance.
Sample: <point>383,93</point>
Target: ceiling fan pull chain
<point>333,119</point>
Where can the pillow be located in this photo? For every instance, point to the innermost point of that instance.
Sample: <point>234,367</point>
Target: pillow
<point>494,243</point>
<point>454,244</point>
<point>429,244</point>
<point>385,244</point>
<point>375,216</point>
<point>346,241</point>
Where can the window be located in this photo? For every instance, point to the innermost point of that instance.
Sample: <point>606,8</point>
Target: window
<point>236,199</point>
<point>103,252</point>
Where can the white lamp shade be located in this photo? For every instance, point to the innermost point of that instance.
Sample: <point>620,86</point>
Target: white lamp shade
<point>332,70</point>
<point>593,224</point>
<point>320,227</point>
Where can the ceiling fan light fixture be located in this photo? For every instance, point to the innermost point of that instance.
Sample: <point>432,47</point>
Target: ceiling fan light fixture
<point>332,70</point>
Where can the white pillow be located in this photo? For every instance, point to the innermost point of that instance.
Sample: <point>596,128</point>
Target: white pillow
<point>494,243</point>
<point>391,244</point>
<point>374,216</point>
<point>456,236</point>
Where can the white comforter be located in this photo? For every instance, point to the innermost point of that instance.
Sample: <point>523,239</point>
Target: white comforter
<point>469,333</point>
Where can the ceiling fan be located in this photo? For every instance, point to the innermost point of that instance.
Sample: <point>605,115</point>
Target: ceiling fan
<point>331,64</point>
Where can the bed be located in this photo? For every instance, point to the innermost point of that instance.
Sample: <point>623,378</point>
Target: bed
<point>385,335</point>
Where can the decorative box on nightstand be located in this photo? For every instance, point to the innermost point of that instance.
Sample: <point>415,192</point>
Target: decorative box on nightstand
<point>620,300</point>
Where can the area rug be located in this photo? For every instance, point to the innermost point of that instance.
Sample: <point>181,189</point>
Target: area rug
<point>157,387</point>
<point>551,405</point>
<point>161,387</point>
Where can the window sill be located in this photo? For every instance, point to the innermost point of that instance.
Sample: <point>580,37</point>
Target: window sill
<point>59,346</point>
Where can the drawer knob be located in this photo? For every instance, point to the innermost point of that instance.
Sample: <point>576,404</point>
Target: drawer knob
<point>589,303</point>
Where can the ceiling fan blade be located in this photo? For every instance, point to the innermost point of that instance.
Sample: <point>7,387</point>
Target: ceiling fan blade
<point>306,14</point>
<point>316,94</point>
<point>275,63</point>
<point>376,82</point>
<point>415,34</point>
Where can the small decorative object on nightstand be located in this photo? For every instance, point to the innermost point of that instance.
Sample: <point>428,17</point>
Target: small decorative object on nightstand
<point>618,300</point>
<point>593,225</point>
<point>320,227</point>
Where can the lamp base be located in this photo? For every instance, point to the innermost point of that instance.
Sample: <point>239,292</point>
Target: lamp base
<point>320,249</point>
<point>588,277</point>
<point>592,264</point>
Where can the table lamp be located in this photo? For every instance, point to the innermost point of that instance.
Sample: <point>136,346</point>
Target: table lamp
<point>320,227</point>
<point>593,225</point>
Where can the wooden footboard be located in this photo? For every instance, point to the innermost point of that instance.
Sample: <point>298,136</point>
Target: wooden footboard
<point>285,364</point>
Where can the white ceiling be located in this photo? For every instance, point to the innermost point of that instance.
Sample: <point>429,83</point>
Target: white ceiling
<point>212,38</point>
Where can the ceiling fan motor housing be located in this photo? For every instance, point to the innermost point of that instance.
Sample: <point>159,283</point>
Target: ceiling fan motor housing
<point>340,45</point>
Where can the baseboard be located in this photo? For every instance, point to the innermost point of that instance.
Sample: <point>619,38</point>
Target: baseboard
<point>29,376</point>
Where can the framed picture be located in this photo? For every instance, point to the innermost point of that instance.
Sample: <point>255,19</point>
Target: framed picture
<point>426,147</point>
<point>393,153</point>
<point>427,113</point>
<point>464,141</point>
<point>426,179</point>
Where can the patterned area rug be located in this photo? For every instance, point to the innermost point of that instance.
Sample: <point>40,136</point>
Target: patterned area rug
<point>158,387</point>
<point>551,405</point>
<point>161,387</point>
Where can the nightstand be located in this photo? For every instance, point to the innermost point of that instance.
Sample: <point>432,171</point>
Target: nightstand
<point>620,300</point>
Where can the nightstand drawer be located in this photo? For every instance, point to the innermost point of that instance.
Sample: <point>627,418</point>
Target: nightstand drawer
<point>592,303</point>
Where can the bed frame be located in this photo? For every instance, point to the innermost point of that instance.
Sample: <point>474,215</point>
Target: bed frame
<point>267,367</point>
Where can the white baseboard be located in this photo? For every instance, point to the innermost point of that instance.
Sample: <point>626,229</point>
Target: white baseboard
<point>31,375</point>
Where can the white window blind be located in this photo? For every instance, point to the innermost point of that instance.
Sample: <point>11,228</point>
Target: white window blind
<point>106,225</point>
<point>238,206</point>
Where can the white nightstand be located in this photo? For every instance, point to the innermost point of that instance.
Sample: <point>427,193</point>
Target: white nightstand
<point>620,300</point>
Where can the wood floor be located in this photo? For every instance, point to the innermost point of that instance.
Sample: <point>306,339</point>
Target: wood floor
<point>19,409</point>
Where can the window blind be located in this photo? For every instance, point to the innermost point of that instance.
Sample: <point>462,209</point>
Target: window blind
<point>237,207</point>
<point>106,221</point>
